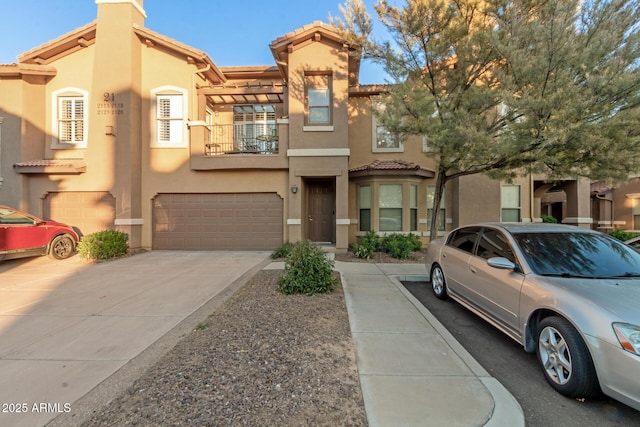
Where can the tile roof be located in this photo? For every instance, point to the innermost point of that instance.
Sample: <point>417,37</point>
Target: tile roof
<point>403,167</point>
<point>601,187</point>
<point>60,166</point>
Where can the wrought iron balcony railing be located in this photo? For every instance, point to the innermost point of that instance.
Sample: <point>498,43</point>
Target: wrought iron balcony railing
<point>242,139</point>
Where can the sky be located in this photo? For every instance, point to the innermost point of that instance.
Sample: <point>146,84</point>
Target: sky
<point>231,32</point>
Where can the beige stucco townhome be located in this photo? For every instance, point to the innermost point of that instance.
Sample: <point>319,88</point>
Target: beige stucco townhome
<point>114,126</point>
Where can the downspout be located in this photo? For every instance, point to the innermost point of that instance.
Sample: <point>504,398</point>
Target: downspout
<point>193,83</point>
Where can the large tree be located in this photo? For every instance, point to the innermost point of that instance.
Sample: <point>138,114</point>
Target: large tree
<point>508,87</point>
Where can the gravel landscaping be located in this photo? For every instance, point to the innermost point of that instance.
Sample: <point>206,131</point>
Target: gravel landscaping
<point>262,358</point>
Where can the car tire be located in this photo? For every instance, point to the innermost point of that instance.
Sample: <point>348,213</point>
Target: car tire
<point>565,360</point>
<point>61,247</point>
<point>438,282</point>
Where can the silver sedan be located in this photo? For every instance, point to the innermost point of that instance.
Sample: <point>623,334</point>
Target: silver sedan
<point>569,294</point>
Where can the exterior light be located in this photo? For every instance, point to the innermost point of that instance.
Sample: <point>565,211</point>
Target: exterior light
<point>294,189</point>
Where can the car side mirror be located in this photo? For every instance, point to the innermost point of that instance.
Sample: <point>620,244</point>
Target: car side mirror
<point>501,263</point>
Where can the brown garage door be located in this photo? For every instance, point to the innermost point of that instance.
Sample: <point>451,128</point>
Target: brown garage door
<point>243,221</point>
<point>87,211</point>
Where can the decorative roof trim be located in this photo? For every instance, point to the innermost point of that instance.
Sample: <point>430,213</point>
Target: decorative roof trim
<point>53,167</point>
<point>20,70</point>
<point>132,2</point>
<point>76,39</point>
<point>152,38</point>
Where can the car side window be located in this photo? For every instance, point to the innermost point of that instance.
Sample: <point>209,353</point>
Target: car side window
<point>11,217</point>
<point>494,244</point>
<point>464,239</point>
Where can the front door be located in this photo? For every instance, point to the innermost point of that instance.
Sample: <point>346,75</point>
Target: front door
<point>321,210</point>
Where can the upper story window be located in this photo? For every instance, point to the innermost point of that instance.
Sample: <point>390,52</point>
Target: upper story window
<point>169,106</point>
<point>69,118</point>
<point>511,205</point>
<point>318,100</point>
<point>384,141</point>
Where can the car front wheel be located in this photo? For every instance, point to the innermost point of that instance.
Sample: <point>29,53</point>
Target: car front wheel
<point>565,359</point>
<point>438,283</point>
<point>61,247</point>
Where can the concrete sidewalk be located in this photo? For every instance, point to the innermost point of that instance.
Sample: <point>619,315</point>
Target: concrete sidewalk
<point>412,371</point>
<point>74,335</point>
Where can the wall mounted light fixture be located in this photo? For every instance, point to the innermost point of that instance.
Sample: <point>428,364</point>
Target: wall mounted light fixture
<point>294,189</point>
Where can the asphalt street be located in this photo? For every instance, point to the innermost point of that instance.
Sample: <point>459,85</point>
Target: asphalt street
<point>519,372</point>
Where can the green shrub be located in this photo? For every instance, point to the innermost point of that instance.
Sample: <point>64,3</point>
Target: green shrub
<point>283,251</point>
<point>307,270</point>
<point>104,245</point>
<point>369,243</point>
<point>549,219</point>
<point>401,245</point>
<point>622,235</point>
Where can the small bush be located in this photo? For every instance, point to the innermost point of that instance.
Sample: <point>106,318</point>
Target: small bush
<point>103,245</point>
<point>283,251</point>
<point>369,243</point>
<point>549,219</point>
<point>307,270</point>
<point>401,245</point>
<point>622,235</point>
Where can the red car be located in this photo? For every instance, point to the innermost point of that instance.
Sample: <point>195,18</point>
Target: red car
<point>24,235</point>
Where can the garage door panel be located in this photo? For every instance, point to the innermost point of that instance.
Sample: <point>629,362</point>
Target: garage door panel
<point>218,221</point>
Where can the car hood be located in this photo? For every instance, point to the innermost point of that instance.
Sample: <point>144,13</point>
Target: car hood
<point>55,224</point>
<point>621,297</point>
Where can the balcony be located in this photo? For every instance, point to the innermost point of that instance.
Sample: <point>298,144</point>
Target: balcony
<point>242,139</point>
<point>238,146</point>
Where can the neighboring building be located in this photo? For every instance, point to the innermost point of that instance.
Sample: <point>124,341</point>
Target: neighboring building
<point>115,126</point>
<point>616,206</point>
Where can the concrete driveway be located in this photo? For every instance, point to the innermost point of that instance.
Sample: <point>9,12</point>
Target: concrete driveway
<point>67,326</point>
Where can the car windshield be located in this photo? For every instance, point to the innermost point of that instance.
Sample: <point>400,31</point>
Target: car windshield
<point>578,255</point>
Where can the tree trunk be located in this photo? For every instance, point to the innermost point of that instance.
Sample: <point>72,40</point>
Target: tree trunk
<point>441,180</point>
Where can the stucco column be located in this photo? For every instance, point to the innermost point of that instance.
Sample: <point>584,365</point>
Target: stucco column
<point>117,86</point>
<point>342,210</point>
<point>578,203</point>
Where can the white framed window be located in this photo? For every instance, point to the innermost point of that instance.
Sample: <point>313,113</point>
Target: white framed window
<point>69,114</point>
<point>390,207</point>
<point>251,121</point>
<point>384,141</point>
<point>413,208</point>
<point>510,203</point>
<point>364,200</point>
<point>170,117</point>
<point>426,148</point>
<point>442,214</point>
<point>318,100</point>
